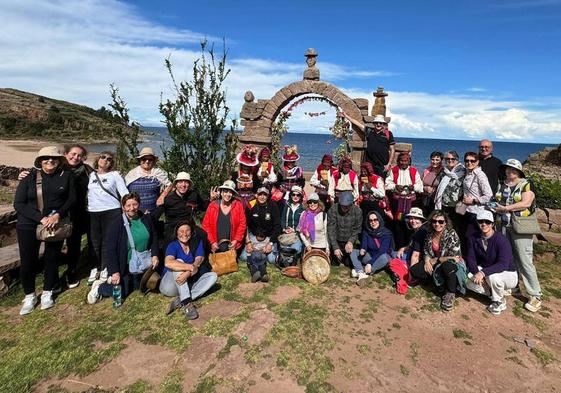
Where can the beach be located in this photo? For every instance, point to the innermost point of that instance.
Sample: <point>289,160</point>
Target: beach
<point>20,153</point>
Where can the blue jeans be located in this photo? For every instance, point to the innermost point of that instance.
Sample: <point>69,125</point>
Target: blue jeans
<point>271,257</point>
<point>359,261</point>
<point>169,287</point>
<point>406,256</point>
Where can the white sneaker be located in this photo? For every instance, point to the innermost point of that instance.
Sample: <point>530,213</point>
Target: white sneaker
<point>103,275</point>
<point>362,279</point>
<point>93,294</point>
<point>354,274</point>
<point>29,302</point>
<point>93,276</point>
<point>47,300</point>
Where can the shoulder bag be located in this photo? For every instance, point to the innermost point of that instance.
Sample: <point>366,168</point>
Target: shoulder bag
<point>461,207</point>
<point>105,189</point>
<point>61,231</point>
<point>525,225</point>
<point>140,260</point>
<point>224,262</point>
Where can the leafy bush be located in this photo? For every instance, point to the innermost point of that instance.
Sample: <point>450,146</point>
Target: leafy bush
<point>548,192</point>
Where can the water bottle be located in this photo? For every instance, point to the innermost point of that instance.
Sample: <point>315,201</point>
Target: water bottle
<point>117,300</point>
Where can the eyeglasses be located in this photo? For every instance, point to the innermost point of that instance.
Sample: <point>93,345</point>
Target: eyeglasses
<point>149,159</point>
<point>313,202</point>
<point>441,222</point>
<point>107,158</point>
<point>484,222</point>
<point>467,161</point>
<point>49,158</point>
<point>484,147</point>
<point>450,159</point>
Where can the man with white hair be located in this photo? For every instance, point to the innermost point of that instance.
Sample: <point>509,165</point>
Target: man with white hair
<point>490,165</point>
<point>380,145</point>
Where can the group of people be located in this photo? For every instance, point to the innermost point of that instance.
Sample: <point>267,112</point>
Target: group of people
<point>450,223</point>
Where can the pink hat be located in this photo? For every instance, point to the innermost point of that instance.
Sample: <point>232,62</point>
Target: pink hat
<point>291,153</point>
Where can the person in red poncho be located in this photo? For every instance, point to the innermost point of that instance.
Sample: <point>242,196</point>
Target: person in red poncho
<point>322,178</point>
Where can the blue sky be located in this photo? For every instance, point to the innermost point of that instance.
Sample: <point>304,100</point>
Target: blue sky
<point>453,69</point>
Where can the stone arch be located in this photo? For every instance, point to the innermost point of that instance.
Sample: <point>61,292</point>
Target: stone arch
<point>258,117</point>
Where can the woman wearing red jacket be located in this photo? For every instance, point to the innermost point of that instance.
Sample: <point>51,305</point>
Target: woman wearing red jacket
<point>225,219</point>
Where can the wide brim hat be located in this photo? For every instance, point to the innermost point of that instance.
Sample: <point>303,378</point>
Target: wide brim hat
<point>228,185</point>
<point>146,151</point>
<point>183,176</point>
<point>149,281</point>
<point>48,151</point>
<point>380,119</point>
<point>416,212</point>
<point>513,163</point>
<point>248,156</point>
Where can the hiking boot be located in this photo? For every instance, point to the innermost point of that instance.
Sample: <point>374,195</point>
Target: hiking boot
<point>103,275</point>
<point>265,278</point>
<point>447,302</point>
<point>29,302</point>
<point>256,276</point>
<point>174,305</point>
<point>362,279</point>
<point>534,304</point>
<point>497,307</point>
<point>93,294</point>
<point>47,300</point>
<point>93,276</point>
<point>354,274</point>
<point>191,312</point>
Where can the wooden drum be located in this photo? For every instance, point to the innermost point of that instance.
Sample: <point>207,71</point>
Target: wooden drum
<point>315,266</point>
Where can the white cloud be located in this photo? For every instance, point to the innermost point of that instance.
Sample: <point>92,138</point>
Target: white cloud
<point>74,50</point>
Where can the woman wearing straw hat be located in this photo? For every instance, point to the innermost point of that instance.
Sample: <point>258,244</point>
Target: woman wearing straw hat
<point>180,205</point>
<point>225,219</point>
<point>58,195</point>
<point>147,180</point>
<point>516,197</point>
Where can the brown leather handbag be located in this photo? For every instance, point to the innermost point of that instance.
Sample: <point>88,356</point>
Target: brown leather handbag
<point>224,262</point>
<point>61,231</point>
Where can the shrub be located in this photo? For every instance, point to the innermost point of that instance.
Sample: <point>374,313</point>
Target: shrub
<point>548,192</point>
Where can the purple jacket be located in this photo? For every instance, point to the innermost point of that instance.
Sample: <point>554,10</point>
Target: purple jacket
<point>498,257</point>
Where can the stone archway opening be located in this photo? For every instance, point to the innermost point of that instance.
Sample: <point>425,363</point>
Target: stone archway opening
<point>257,117</point>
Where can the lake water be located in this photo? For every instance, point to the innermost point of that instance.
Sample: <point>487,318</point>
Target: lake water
<point>312,147</point>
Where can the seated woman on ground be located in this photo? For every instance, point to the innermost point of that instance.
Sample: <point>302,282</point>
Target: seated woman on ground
<point>375,248</point>
<point>186,276</point>
<point>313,225</point>
<point>490,263</point>
<point>442,259</point>
<point>225,219</point>
<point>289,241</point>
<point>416,222</point>
<point>131,228</point>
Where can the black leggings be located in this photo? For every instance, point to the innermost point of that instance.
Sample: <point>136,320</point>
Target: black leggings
<point>29,256</point>
<point>74,242</point>
<point>448,269</point>
<point>99,227</point>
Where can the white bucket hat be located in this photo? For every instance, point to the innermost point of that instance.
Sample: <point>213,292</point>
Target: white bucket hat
<point>296,189</point>
<point>514,163</point>
<point>183,176</point>
<point>380,119</point>
<point>416,212</point>
<point>228,185</point>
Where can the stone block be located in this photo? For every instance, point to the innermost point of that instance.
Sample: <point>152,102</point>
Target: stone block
<point>364,112</point>
<point>262,103</point>
<point>318,87</point>
<point>362,103</point>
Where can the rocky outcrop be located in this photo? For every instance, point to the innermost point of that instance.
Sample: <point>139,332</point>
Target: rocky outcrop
<point>546,162</point>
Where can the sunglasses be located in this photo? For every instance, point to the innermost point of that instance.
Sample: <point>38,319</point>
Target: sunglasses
<point>470,161</point>
<point>484,222</point>
<point>450,159</point>
<point>49,158</point>
<point>313,202</point>
<point>295,194</point>
<point>373,219</point>
<point>149,159</point>
<point>107,158</point>
<point>441,222</point>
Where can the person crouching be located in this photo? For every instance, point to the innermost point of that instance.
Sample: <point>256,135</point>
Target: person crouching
<point>257,258</point>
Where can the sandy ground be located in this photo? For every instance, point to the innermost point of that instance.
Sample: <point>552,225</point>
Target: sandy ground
<point>20,153</point>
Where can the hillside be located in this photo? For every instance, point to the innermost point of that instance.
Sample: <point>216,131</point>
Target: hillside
<point>27,115</point>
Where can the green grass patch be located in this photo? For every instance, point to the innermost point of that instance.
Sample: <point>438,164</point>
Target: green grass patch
<point>173,382</point>
<point>461,334</point>
<point>519,311</point>
<point>404,370</point>
<point>516,360</point>
<point>207,384</point>
<point>543,356</point>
